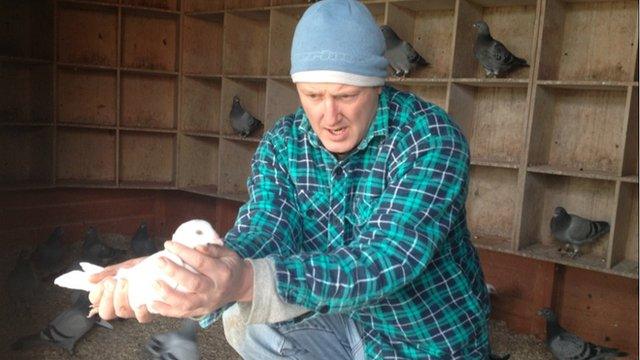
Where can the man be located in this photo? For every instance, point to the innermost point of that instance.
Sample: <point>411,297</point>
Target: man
<point>353,243</point>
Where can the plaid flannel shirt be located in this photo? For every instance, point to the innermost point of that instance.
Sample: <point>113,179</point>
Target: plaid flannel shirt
<point>380,235</point>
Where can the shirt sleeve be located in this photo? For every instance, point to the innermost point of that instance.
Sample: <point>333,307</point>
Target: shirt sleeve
<point>408,222</point>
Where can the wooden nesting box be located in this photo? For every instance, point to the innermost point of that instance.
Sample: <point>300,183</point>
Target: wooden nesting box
<point>136,94</point>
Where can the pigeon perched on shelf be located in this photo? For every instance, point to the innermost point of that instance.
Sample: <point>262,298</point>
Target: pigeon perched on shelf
<point>97,252</point>
<point>575,231</point>
<point>242,122</point>
<point>494,57</point>
<point>22,282</point>
<point>66,328</point>
<point>565,345</point>
<point>141,243</point>
<point>144,274</point>
<point>48,255</point>
<point>180,344</point>
<point>403,58</point>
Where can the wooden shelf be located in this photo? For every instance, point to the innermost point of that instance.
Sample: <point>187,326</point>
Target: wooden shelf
<point>235,159</point>
<point>26,155</point>
<point>87,97</point>
<point>578,130</point>
<point>246,41</point>
<point>149,41</point>
<point>148,101</point>
<point>245,4</point>
<point>513,24</point>
<point>201,104</point>
<point>434,93</point>
<point>588,198</point>
<point>429,27</point>
<point>137,95</point>
<point>85,156</point>
<point>146,159</point>
<point>282,99</point>
<point>87,35</point>
<point>202,39</point>
<point>27,29</point>
<point>588,40</point>
<point>168,6</point>
<point>283,23</point>
<point>26,94</point>
<point>252,95</point>
<point>198,162</point>
<point>491,205</point>
<point>192,7</point>
<point>493,119</point>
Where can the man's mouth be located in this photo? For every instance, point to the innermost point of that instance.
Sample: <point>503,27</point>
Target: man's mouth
<point>337,131</point>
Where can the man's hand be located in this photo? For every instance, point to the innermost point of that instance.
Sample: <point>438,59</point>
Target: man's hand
<point>222,277</point>
<point>110,298</point>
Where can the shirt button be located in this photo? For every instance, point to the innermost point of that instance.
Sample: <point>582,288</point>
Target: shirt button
<point>338,171</point>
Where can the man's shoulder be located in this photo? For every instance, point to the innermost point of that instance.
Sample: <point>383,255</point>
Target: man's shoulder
<point>285,129</point>
<point>413,116</point>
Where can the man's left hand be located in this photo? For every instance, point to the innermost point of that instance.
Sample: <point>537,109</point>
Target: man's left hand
<point>222,277</point>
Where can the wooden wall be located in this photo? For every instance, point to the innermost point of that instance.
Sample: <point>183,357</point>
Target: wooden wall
<point>600,307</point>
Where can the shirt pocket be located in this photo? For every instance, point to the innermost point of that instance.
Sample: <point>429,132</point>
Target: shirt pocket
<point>361,210</point>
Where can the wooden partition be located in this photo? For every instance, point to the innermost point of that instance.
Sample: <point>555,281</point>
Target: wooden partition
<point>137,94</point>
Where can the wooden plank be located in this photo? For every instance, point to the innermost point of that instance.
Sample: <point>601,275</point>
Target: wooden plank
<point>202,45</point>
<point>148,101</point>
<point>146,157</point>
<point>85,155</point>
<point>149,42</point>
<point>87,97</point>
<point>198,161</point>
<point>245,43</point>
<point>464,63</point>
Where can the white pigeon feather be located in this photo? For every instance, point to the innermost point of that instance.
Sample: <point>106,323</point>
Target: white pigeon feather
<point>142,276</point>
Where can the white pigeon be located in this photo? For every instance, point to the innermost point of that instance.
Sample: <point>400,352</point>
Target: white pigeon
<point>143,275</point>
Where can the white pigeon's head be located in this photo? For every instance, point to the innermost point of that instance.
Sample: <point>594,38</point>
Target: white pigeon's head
<point>195,233</point>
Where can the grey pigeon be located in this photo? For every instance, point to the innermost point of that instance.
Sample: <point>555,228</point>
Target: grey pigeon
<point>494,57</point>
<point>565,345</point>
<point>141,243</point>
<point>403,58</point>
<point>575,231</point>
<point>97,252</point>
<point>65,329</point>
<point>242,122</point>
<point>48,255</point>
<point>176,345</point>
<point>22,282</point>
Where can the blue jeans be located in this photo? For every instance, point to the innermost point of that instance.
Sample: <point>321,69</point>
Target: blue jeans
<point>324,337</point>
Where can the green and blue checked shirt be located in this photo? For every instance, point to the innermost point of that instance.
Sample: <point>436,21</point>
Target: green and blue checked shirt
<point>380,235</point>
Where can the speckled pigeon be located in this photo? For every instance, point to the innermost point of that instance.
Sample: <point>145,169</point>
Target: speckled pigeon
<point>180,344</point>
<point>494,57</point>
<point>242,122</point>
<point>575,231</point>
<point>49,255</point>
<point>403,58</point>
<point>97,252</point>
<point>565,345</point>
<point>141,243</point>
<point>66,328</point>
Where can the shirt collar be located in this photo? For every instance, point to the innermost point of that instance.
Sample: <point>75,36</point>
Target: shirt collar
<point>378,127</point>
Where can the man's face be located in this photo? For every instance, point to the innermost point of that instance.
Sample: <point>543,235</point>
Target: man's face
<point>339,114</point>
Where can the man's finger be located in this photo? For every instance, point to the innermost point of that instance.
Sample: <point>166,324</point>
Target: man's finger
<point>142,314</point>
<point>106,301</point>
<point>189,280</point>
<point>121,300</point>
<point>96,294</point>
<point>202,263</point>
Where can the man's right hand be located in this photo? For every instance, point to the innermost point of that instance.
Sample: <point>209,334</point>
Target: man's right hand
<point>110,297</point>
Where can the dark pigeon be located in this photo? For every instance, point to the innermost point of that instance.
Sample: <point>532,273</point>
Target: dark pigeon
<point>141,243</point>
<point>97,252</point>
<point>403,58</point>
<point>494,57</point>
<point>565,345</point>
<point>66,329</point>
<point>180,344</point>
<point>22,282</point>
<point>242,122</point>
<point>49,255</point>
<point>575,231</point>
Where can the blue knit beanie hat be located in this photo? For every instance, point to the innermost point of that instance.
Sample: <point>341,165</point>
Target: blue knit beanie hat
<point>338,41</point>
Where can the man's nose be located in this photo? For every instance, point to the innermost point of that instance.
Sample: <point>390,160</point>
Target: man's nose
<point>330,110</point>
